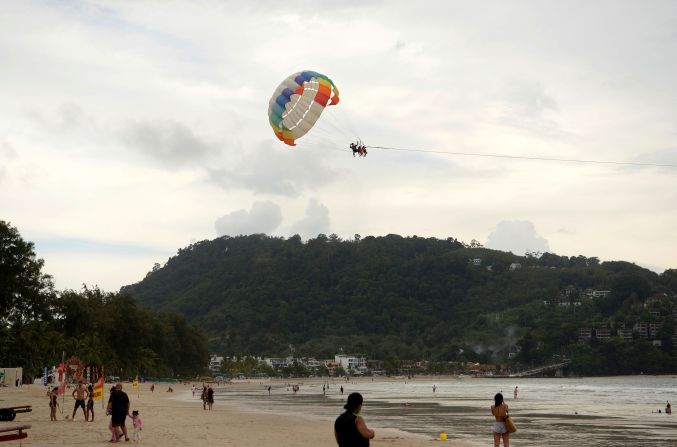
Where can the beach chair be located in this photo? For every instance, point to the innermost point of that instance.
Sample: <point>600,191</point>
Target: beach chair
<point>18,430</point>
<point>8,414</point>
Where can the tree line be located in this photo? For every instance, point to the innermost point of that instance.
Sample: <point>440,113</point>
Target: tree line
<point>39,325</point>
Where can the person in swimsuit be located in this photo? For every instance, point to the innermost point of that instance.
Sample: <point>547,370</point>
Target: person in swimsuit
<point>89,411</point>
<point>350,430</point>
<point>500,410</point>
<point>80,395</point>
<point>53,404</point>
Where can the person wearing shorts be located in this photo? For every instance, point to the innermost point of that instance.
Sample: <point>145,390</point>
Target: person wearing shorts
<point>118,404</point>
<point>80,394</point>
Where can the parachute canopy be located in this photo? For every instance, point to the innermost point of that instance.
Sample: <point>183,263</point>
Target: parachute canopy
<point>298,102</point>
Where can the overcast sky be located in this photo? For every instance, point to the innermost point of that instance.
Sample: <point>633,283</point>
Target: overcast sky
<point>129,129</point>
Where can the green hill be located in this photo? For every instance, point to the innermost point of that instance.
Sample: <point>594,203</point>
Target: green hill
<point>393,297</point>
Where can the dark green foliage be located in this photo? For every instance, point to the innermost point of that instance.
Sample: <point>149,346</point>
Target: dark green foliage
<point>397,298</point>
<point>39,325</point>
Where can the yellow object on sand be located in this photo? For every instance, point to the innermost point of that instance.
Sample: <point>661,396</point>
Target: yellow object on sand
<point>443,436</point>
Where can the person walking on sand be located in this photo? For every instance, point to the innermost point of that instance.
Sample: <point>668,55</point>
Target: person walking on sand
<point>118,404</point>
<point>515,392</point>
<point>210,397</point>
<point>80,394</point>
<point>138,426</point>
<point>203,396</point>
<point>350,430</point>
<point>500,411</point>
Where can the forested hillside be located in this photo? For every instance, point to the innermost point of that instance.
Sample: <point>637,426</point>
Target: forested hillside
<point>393,297</point>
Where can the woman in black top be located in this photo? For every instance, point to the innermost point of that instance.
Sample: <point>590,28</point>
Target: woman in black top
<point>350,429</point>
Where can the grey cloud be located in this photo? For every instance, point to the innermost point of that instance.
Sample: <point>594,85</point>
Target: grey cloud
<point>66,117</point>
<point>170,142</point>
<point>6,150</point>
<point>268,170</point>
<point>661,156</point>
<point>525,105</point>
<point>264,217</point>
<point>517,236</point>
<point>315,221</point>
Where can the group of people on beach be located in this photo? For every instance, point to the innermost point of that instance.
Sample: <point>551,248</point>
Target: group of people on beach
<point>117,409</point>
<point>207,397</point>
<point>350,429</point>
<point>83,396</point>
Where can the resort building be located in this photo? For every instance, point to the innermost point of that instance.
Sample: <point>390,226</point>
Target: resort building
<point>351,362</point>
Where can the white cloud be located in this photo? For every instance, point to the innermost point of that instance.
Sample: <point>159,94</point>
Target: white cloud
<point>316,221</point>
<point>129,120</point>
<point>264,217</point>
<point>517,236</point>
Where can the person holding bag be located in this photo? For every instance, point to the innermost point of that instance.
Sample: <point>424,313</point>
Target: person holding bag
<point>500,412</point>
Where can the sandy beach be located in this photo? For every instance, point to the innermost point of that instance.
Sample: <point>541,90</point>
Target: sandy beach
<point>177,419</point>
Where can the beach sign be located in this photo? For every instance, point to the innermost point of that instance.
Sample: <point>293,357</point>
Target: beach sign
<point>98,390</point>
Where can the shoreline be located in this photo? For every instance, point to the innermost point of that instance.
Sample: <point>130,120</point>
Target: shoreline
<point>173,419</point>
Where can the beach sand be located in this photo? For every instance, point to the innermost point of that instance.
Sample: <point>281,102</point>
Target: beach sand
<point>177,419</point>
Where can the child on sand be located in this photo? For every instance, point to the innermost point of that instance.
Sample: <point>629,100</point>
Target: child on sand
<point>138,426</point>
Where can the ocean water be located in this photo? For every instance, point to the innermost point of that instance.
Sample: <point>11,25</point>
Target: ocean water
<point>580,412</point>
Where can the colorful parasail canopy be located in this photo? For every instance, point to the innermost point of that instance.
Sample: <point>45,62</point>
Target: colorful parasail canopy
<point>298,102</point>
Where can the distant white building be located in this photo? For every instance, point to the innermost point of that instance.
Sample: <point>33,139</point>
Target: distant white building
<point>351,362</point>
<point>600,293</point>
<point>277,362</point>
<point>215,363</point>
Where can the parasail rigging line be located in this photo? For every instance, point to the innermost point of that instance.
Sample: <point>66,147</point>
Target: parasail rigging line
<point>528,157</point>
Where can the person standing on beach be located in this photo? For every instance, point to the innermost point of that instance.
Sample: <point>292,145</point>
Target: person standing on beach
<point>341,389</point>
<point>53,404</point>
<point>500,411</point>
<point>350,430</point>
<point>89,411</point>
<point>515,392</point>
<point>668,408</point>
<point>118,404</point>
<point>80,394</point>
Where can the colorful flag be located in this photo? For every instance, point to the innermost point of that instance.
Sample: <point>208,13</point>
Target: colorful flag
<point>62,379</point>
<point>135,384</point>
<point>98,390</point>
